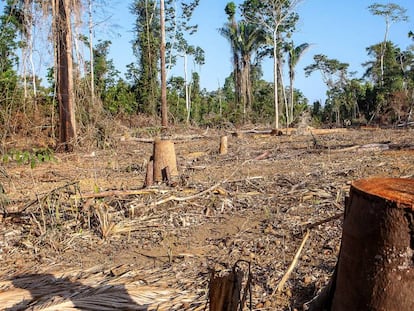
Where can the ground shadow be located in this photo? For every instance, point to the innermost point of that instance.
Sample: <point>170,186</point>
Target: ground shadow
<point>47,290</point>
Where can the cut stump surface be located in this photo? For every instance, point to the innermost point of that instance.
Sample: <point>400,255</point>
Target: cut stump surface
<point>375,269</point>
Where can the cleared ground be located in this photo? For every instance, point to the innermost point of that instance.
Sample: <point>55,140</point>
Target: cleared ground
<point>79,232</point>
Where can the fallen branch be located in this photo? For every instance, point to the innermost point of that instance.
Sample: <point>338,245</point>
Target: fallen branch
<point>116,193</point>
<point>190,197</point>
<point>199,194</point>
<point>315,224</point>
<point>293,264</point>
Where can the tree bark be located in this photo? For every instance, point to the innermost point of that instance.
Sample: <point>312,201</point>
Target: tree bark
<point>63,41</point>
<point>224,294</point>
<point>165,163</point>
<point>223,145</point>
<point>375,269</point>
<point>164,107</point>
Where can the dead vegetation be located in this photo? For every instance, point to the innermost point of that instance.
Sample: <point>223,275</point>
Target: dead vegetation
<point>84,229</point>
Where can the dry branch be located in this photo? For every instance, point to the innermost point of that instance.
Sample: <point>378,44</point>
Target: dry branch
<point>293,264</point>
<point>323,221</point>
<point>116,193</point>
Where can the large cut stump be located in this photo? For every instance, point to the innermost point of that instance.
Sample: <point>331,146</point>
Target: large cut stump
<point>375,269</point>
<point>165,162</point>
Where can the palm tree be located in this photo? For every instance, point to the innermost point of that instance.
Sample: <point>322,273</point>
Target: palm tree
<point>245,38</point>
<point>295,54</point>
<point>250,39</point>
<point>230,32</point>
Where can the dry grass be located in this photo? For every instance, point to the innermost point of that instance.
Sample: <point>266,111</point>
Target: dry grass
<point>112,242</point>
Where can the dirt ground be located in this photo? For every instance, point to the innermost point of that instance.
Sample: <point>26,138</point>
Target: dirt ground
<point>80,232</point>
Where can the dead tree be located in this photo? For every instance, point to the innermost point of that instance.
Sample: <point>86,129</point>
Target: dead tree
<point>375,268</point>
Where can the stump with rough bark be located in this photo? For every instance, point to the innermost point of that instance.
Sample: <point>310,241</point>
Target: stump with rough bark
<point>223,145</point>
<point>375,268</point>
<point>224,294</point>
<point>165,163</point>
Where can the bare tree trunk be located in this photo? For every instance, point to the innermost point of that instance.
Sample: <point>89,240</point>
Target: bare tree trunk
<point>291,96</point>
<point>63,41</point>
<point>284,96</point>
<point>275,79</point>
<point>164,108</point>
<point>243,97</point>
<point>91,56</point>
<point>187,92</point>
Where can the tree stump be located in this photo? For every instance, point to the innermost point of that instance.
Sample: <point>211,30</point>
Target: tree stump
<point>149,176</point>
<point>224,293</point>
<point>375,269</point>
<point>165,162</point>
<point>223,145</point>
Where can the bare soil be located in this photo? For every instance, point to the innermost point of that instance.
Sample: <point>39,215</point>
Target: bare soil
<point>80,233</point>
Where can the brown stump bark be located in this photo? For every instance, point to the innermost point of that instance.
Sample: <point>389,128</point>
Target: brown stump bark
<point>165,163</point>
<point>224,293</point>
<point>149,176</point>
<point>223,145</point>
<point>375,269</point>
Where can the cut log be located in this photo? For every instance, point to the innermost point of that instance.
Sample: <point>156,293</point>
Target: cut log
<point>223,145</point>
<point>164,159</point>
<point>375,268</point>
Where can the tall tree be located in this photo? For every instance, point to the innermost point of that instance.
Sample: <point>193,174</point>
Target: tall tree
<point>392,13</point>
<point>8,49</point>
<point>335,75</point>
<point>61,10</point>
<point>146,48</point>
<point>230,32</point>
<point>245,40</point>
<point>295,53</point>
<point>178,32</point>
<point>274,16</point>
<point>251,38</point>
<point>164,107</point>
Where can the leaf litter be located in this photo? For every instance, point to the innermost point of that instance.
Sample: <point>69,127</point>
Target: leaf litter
<point>81,233</point>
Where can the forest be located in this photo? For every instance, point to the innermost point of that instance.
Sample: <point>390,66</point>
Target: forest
<point>97,93</point>
<point>148,192</point>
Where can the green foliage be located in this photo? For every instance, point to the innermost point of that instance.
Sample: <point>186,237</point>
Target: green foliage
<point>9,25</point>
<point>29,157</point>
<point>119,98</point>
<point>146,47</point>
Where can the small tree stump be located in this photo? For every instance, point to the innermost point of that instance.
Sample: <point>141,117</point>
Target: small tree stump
<point>375,269</point>
<point>164,160</point>
<point>149,176</point>
<point>223,145</point>
<point>224,293</point>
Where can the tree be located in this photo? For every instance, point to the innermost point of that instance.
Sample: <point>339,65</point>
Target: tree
<point>392,13</point>
<point>274,16</point>
<point>230,32</point>
<point>178,29</point>
<point>392,87</point>
<point>62,34</point>
<point>245,39</point>
<point>8,51</point>
<point>335,75</point>
<point>164,107</point>
<point>146,48</point>
<point>295,53</point>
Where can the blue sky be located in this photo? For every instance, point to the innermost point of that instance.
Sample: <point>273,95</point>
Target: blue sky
<point>338,29</point>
